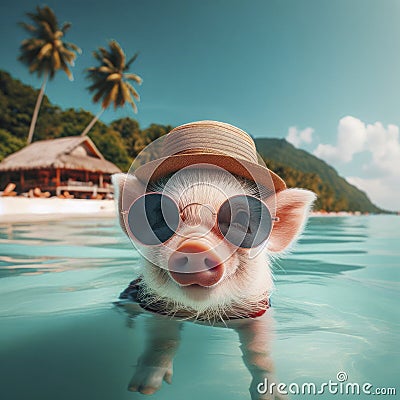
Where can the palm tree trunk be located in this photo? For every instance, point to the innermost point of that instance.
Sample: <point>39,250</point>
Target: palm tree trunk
<point>92,122</point>
<point>37,108</point>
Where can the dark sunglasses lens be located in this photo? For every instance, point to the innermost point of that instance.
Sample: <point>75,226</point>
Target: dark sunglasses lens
<point>244,221</point>
<point>153,218</point>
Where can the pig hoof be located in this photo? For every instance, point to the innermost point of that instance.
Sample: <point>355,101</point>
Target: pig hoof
<point>148,380</point>
<point>143,390</point>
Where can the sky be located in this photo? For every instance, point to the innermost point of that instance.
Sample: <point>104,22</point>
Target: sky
<point>323,74</point>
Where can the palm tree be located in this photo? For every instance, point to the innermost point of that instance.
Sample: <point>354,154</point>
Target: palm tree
<point>110,80</point>
<point>45,52</point>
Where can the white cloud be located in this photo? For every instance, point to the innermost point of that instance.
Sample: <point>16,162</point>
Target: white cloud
<point>351,139</point>
<point>354,136</point>
<point>297,137</point>
<point>382,144</point>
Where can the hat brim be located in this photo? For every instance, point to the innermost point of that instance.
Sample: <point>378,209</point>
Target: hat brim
<point>161,167</point>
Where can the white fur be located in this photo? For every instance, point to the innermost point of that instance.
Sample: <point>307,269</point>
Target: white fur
<point>247,281</point>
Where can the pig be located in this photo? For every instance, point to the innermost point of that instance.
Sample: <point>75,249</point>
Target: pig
<point>232,290</point>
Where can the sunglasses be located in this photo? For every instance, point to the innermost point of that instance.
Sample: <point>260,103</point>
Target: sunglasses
<point>243,220</point>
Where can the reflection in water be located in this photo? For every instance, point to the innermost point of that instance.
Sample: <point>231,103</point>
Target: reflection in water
<point>163,337</point>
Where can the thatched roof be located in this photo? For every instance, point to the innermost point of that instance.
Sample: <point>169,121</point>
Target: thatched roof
<point>73,152</point>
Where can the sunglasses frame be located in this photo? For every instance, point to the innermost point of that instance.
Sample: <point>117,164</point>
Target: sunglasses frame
<point>125,215</point>
<point>273,219</point>
<point>128,228</point>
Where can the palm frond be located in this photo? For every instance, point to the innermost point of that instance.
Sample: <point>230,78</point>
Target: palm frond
<point>103,52</point>
<point>126,94</point>
<point>114,77</point>
<point>133,77</point>
<point>47,30</point>
<point>117,55</point>
<point>131,60</point>
<point>110,96</point>
<point>133,104</point>
<point>45,51</point>
<point>73,47</point>
<point>108,80</point>
<point>108,63</point>
<point>66,26</point>
<point>28,27</point>
<point>98,87</point>
<point>133,91</point>
<point>56,60</point>
<point>96,55</point>
<point>106,69</point>
<point>119,102</point>
<point>100,93</point>
<point>127,89</point>
<point>66,69</point>
<point>48,15</point>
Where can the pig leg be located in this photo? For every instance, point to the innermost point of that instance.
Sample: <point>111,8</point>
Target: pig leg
<point>155,364</point>
<point>131,309</point>
<point>255,338</point>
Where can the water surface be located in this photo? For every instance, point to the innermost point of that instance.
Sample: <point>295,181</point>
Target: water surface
<point>335,309</point>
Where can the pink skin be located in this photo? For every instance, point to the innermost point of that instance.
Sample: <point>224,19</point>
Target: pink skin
<point>182,276</point>
<point>197,256</point>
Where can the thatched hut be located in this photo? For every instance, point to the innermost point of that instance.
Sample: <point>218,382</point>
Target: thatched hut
<point>71,164</point>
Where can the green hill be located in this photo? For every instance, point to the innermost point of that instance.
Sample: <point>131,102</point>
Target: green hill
<point>121,140</point>
<point>315,174</point>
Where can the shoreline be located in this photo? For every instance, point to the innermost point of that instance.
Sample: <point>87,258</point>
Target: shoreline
<point>339,214</point>
<point>22,209</point>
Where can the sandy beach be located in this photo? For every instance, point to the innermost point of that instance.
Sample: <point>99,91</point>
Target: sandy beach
<point>21,209</point>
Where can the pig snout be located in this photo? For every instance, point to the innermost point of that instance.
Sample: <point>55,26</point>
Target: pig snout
<point>195,263</point>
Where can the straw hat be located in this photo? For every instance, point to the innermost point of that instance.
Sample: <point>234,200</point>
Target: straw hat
<point>210,142</point>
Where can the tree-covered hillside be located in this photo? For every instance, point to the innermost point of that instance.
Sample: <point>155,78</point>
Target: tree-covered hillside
<point>123,139</point>
<point>119,141</point>
<point>335,192</point>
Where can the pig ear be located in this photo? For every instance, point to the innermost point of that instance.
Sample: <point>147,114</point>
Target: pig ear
<point>292,209</point>
<point>127,188</point>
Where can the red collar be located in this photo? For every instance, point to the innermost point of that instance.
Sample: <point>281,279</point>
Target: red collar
<point>266,304</point>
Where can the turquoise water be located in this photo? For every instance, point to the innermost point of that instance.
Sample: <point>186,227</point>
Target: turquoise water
<point>336,308</point>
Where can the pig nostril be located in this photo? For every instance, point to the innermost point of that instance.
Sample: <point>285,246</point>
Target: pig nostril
<point>195,263</point>
<point>181,261</point>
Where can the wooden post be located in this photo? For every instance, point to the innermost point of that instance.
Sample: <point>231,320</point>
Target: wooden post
<point>22,180</point>
<point>86,176</point>
<point>5,180</point>
<point>58,177</point>
<point>101,180</point>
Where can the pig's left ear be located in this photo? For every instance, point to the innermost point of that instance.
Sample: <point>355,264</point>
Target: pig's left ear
<point>292,209</point>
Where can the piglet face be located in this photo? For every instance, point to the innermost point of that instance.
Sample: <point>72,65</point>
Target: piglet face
<point>197,268</point>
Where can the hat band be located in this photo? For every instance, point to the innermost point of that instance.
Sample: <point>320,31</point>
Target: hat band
<point>199,151</point>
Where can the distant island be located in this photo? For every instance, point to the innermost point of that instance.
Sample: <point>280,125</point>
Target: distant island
<point>122,139</point>
<point>302,169</point>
